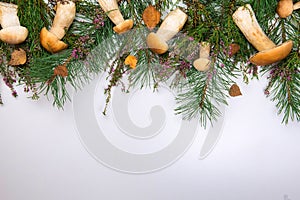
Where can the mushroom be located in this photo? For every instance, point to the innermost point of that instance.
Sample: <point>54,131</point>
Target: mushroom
<point>286,7</point>
<point>203,62</point>
<point>269,53</point>
<point>12,32</point>
<point>65,14</point>
<point>112,9</point>
<point>171,25</point>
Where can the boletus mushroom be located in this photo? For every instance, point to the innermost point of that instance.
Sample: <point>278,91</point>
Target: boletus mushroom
<point>112,9</point>
<point>269,53</point>
<point>171,25</point>
<point>203,62</point>
<point>12,32</point>
<point>286,7</point>
<point>65,14</point>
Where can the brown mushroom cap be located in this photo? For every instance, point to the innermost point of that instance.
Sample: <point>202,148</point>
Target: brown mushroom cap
<point>284,8</point>
<point>14,34</point>
<point>124,26</point>
<point>50,42</point>
<point>156,44</point>
<point>202,64</point>
<point>273,55</point>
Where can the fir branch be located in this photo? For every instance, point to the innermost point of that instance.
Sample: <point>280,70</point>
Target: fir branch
<point>93,46</point>
<point>144,75</point>
<point>33,15</point>
<point>82,37</point>
<point>283,85</point>
<point>199,93</point>
<point>284,88</point>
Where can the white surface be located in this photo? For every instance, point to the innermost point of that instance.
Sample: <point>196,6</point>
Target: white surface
<point>42,158</point>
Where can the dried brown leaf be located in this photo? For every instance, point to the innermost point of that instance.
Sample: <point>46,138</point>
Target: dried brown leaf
<point>151,17</point>
<point>131,61</point>
<point>235,90</point>
<point>18,57</point>
<point>61,70</point>
<point>233,49</point>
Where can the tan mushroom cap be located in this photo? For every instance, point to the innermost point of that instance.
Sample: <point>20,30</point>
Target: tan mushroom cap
<point>156,44</point>
<point>50,42</point>
<point>124,26</point>
<point>285,8</point>
<point>202,64</point>
<point>273,55</point>
<point>14,34</point>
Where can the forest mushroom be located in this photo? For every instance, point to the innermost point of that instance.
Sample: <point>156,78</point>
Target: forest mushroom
<point>203,62</point>
<point>171,25</point>
<point>286,7</point>
<point>12,32</point>
<point>269,53</point>
<point>112,9</point>
<point>65,14</point>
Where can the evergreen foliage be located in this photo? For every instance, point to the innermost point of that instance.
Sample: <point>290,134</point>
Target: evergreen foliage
<point>95,48</point>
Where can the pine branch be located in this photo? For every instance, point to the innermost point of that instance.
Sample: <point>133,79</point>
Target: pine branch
<point>93,46</point>
<point>83,35</point>
<point>284,88</point>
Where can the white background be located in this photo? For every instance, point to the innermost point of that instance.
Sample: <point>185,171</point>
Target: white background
<point>42,158</point>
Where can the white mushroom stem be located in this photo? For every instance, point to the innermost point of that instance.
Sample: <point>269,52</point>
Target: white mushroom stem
<point>8,15</point>
<point>112,9</point>
<point>296,5</point>
<point>203,62</point>
<point>171,25</point>
<point>245,19</point>
<point>204,50</point>
<point>65,14</point>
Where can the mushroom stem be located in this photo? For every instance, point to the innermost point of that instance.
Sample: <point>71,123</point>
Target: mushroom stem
<point>12,32</point>
<point>296,6</point>
<point>112,9</point>
<point>245,19</point>
<point>171,25</point>
<point>269,53</point>
<point>204,50</point>
<point>203,62</point>
<point>65,14</point>
<point>8,15</point>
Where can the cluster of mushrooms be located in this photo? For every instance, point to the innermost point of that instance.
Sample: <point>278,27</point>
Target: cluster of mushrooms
<point>244,17</point>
